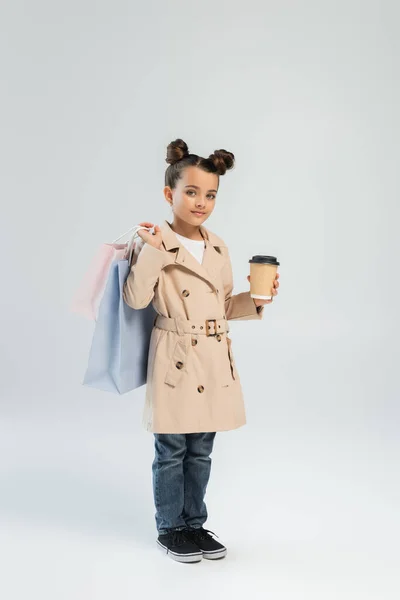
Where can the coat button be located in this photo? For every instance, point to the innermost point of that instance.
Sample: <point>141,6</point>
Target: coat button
<point>185,293</point>
<point>218,337</point>
<point>200,388</point>
<point>179,364</point>
<point>194,342</point>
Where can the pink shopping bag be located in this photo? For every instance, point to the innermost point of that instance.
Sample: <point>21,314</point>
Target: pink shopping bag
<point>87,297</point>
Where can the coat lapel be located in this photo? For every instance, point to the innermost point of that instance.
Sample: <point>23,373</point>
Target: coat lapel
<point>213,261</point>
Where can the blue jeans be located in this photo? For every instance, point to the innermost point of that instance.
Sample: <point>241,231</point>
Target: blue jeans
<point>181,470</point>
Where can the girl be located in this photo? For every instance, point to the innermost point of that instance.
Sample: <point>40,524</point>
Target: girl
<point>193,388</point>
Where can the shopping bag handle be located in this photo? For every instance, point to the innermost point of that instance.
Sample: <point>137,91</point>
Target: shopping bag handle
<point>136,227</point>
<point>131,243</point>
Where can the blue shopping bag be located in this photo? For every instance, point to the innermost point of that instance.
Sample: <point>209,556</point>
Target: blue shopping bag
<point>119,352</point>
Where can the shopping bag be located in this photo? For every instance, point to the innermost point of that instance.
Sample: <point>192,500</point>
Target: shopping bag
<point>118,356</point>
<point>87,298</point>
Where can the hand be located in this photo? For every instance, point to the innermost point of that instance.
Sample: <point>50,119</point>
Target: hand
<point>260,301</point>
<point>154,239</point>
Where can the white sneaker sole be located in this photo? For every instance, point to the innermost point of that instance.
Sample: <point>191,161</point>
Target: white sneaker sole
<point>186,558</point>
<point>215,554</point>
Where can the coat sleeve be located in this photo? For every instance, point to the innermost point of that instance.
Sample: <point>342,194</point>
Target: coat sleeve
<point>238,307</point>
<point>143,277</point>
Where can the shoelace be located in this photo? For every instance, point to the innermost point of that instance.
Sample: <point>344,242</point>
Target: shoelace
<point>178,537</point>
<point>201,533</point>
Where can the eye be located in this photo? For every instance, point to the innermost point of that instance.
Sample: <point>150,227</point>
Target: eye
<point>189,192</point>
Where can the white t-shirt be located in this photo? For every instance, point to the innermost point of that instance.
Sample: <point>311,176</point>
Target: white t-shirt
<point>195,247</point>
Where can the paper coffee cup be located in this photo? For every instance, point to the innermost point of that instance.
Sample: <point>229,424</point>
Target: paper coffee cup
<point>263,270</point>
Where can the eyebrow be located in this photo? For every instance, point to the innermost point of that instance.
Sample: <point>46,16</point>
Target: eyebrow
<point>197,188</point>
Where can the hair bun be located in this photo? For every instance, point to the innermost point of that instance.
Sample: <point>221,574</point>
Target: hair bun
<point>223,160</point>
<point>176,151</point>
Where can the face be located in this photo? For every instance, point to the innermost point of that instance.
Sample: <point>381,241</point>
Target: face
<point>195,191</point>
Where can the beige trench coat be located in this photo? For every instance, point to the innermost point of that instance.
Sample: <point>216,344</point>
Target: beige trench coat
<point>193,384</point>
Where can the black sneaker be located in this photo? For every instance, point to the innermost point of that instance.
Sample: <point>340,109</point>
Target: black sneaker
<point>202,538</point>
<point>176,543</point>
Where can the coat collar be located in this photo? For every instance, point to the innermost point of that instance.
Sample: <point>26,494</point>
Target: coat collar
<point>213,260</point>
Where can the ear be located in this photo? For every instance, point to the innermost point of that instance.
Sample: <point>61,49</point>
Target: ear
<point>168,194</point>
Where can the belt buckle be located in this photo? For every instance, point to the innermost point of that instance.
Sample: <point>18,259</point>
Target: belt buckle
<point>208,327</point>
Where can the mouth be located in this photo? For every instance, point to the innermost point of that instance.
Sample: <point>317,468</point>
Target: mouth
<point>197,213</point>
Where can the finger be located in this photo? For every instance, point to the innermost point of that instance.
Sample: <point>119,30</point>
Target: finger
<point>146,224</point>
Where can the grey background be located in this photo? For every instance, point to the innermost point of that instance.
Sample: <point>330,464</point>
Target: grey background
<point>306,95</point>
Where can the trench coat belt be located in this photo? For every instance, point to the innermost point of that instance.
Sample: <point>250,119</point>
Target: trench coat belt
<point>203,326</point>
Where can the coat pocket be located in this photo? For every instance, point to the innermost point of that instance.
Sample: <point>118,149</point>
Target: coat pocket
<point>177,365</point>
<point>234,372</point>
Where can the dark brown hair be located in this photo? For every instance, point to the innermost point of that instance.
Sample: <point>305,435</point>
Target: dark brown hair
<point>179,158</point>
